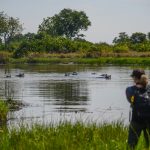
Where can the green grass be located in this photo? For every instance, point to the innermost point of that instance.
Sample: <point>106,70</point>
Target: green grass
<point>67,136</point>
<point>130,58</point>
<point>98,61</point>
<point>18,61</point>
<point>115,61</point>
<point>49,60</point>
<point>3,111</point>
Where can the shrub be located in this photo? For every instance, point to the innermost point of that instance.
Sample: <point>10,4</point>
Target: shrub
<point>4,57</point>
<point>120,48</point>
<point>140,47</point>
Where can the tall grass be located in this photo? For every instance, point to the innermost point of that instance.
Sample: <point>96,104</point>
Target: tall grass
<point>67,136</point>
<point>3,111</point>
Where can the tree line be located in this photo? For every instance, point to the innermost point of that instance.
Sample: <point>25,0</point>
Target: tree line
<point>62,33</point>
<point>137,41</point>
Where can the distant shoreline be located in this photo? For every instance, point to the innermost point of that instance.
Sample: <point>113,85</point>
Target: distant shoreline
<point>130,58</point>
<point>92,61</point>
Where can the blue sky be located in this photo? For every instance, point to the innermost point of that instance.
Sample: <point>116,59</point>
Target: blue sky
<point>108,17</point>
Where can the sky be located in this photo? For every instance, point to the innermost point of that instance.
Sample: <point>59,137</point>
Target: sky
<point>108,17</point>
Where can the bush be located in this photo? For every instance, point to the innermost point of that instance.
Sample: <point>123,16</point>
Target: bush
<point>140,47</point>
<point>23,50</point>
<point>4,57</point>
<point>104,47</point>
<point>120,48</point>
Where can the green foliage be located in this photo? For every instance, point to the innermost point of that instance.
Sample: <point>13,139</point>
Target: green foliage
<point>9,27</point>
<point>4,57</point>
<point>25,45</point>
<point>66,136</point>
<point>67,23</point>
<point>61,34</point>
<point>138,37</point>
<point>141,47</point>
<point>3,23</point>
<point>13,46</point>
<point>122,39</point>
<point>135,38</point>
<point>119,59</point>
<point>23,50</point>
<point>137,42</point>
<point>113,60</point>
<point>45,43</point>
<point>3,110</point>
<point>121,48</point>
<point>104,47</point>
<point>2,47</point>
<point>148,36</point>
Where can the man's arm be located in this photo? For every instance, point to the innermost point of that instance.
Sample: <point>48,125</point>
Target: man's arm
<point>130,94</point>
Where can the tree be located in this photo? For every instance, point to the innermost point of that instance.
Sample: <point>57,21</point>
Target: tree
<point>122,39</point>
<point>67,23</point>
<point>148,35</point>
<point>3,24</point>
<point>29,36</point>
<point>9,28</point>
<point>138,37</point>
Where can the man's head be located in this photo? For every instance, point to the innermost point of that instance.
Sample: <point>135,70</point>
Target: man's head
<point>136,75</point>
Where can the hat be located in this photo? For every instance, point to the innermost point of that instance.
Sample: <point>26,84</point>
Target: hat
<point>137,73</point>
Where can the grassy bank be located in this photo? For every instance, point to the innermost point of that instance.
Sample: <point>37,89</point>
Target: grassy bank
<point>67,136</point>
<point>62,136</point>
<point>130,58</point>
<point>98,61</point>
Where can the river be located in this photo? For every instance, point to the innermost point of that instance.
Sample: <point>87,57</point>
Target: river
<point>52,96</point>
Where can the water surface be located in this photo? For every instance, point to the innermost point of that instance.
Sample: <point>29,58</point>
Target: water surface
<point>51,96</point>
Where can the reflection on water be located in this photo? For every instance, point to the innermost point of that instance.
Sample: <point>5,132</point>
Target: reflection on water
<point>51,95</point>
<point>63,95</point>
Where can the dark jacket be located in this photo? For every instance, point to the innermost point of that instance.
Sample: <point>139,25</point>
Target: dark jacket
<point>132,94</point>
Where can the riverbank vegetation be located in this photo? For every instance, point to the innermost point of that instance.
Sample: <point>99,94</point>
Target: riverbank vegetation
<point>3,111</point>
<point>67,136</point>
<point>61,41</point>
<point>92,61</point>
<point>7,106</point>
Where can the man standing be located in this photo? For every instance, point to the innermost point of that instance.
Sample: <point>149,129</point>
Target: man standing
<point>138,96</point>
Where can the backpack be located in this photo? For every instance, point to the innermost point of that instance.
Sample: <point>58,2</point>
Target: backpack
<point>141,105</point>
